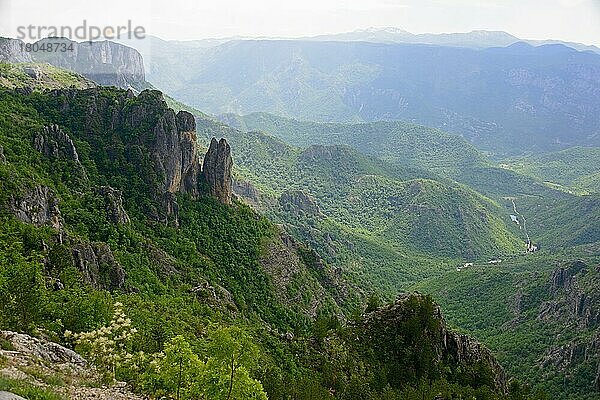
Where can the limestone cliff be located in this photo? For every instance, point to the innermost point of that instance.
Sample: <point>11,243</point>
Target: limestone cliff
<point>37,206</point>
<point>12,52</point>
<point>106,63</point>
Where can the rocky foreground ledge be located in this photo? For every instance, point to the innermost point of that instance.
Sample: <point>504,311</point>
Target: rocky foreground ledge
<point>49,366</point>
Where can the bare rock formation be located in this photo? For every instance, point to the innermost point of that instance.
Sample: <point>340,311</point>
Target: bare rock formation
<point>39,207</point>
<point>113,202</point>
<point>53,142</point>
<point>249,193</point>
<point>47,351</point>
<point>11,51</point>
<point>98,266</point>
<point>216,170</point>
<point>386,326</point>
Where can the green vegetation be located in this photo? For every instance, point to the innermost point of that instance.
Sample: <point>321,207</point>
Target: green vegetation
<point>386,225</point>
<point>576,169</point>
<point>27,390</point>
<point>40,77</point>
<point>528,318</point>
<point>244,341</point>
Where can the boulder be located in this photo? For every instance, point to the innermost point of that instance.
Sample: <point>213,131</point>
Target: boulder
<point>10,396</point>
<point>47,351</point>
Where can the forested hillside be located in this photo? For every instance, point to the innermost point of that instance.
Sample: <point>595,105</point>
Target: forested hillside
<point>119,241</point>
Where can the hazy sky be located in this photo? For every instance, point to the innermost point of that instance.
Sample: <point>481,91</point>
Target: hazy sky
<point>573,20</point>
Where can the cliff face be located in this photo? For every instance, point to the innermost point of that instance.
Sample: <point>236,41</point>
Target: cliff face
<point>11,51</point>
<point>106,63</point>
<point>216,170</point>
<point>574,307</point>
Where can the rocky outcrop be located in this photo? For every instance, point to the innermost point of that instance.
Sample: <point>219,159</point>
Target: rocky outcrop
<point>106,63</point>
<point>52,142</point>
<point>564,277</point>
<point>98,266</point>
<point>570,302</point>
<point>39,207</point>
<point>2,156</point>
<point>297,201</point>
<point>216,170</point>
<point>467,351</point>
<point>44,350</point>
<point>10,396</point>
<point>113,204</point>
<point>414,320</point>
<point>172,142</point>
<point>171,208</point>
<point>215,295</point>
<point>12,52</point>
<point>190,163</point>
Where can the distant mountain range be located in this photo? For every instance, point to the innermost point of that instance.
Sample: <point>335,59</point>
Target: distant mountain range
<point>478,39</point>
<point>507,100</point>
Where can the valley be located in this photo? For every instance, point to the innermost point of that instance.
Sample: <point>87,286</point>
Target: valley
<point>371,215</point>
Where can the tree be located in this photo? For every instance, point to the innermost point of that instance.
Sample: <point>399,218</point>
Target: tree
<point>231,356</point>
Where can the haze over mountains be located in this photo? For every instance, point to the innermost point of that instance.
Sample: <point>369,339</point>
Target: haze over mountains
<point>506,100</point>
<point>391,161</point>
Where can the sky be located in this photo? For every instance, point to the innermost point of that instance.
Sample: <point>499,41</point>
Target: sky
<point>569,20</point>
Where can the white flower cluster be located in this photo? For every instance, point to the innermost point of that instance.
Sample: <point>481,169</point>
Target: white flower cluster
<point>107,347</point>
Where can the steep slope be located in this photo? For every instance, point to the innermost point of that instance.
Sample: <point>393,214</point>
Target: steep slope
<point>106,63</point>
<point>358,211</point>
<point>539,313</point>
<point>404,144</point>
<point>105,210</point>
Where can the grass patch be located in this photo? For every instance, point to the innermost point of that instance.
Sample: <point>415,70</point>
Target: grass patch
<point>27,390</point>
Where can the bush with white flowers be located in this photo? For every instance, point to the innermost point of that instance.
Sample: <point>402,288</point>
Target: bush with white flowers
<point>107,347</point>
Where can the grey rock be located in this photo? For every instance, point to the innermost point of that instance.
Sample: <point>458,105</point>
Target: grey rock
<point>216,170</point>
<point>53,142</point>
<point>45,350</point>
<point>98,266</point>
<point>12,52</point>
<point>10,396</point>
<point>171,208</point>
<point>38,206</point>
<point>246,191</point>
<point>106,63</point>
<point>2,156</point>
<point>460,348</point>
<point>215,295</point>
<point>172,142</point>
<point>113,202</point>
